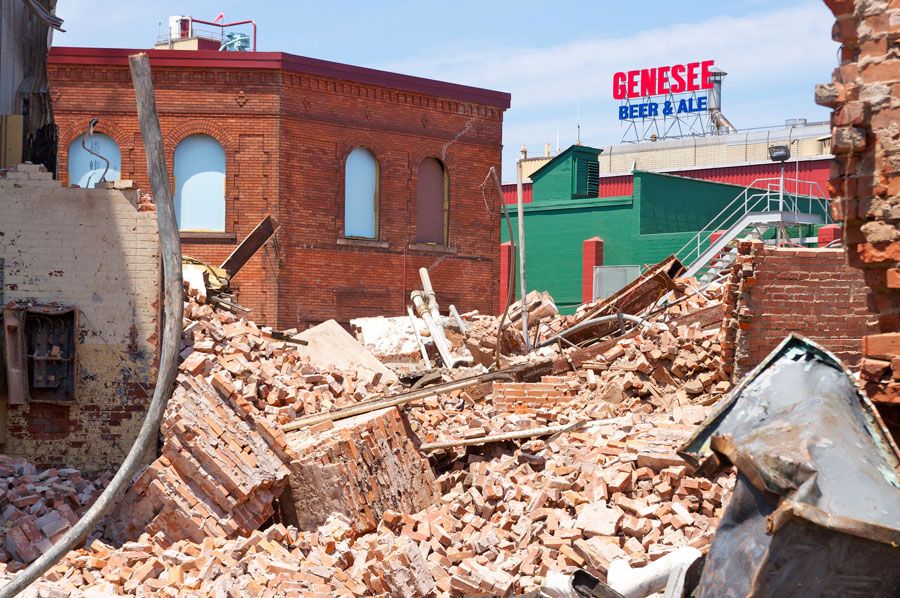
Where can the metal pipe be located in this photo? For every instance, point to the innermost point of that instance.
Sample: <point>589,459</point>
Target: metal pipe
<point>430,297</point>
<point>628,317</point>
<point>418,299</point>
<point>90,132</point>
<point>192,20</point>
<point>412,320</point>
<point>522,285</point>
<point>512,275</point>
<point>650,579</point>
<point>459,322</point>
<point>169,344</point>
<point>394,401</point>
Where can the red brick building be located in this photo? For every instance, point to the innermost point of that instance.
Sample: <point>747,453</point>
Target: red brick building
<point>282,128</point>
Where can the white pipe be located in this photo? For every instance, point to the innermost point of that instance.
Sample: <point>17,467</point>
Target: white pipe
<point>418,299</point>
<point>459,322</point>
<point>430,297</point>
<point>412,320</point>
<point>644,581</point>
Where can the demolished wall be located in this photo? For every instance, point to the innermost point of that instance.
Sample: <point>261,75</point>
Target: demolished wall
<point>96,250</point>
<point>865,175</point>
<point>776,291</point>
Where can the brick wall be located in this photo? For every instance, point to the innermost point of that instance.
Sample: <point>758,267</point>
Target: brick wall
<point>93,250</point>
<point>286,137</point>
<point>529,397</point>
<point>865,175</point>
<point>813,292</point>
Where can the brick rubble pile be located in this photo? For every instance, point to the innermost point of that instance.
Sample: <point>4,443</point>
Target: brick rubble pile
<point>364,513</point>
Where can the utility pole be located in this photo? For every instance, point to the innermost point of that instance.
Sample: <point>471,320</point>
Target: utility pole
<point>521,219</point>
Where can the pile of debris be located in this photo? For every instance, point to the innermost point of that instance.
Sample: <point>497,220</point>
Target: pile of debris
<point>246,497</point>
<point>38,507</point>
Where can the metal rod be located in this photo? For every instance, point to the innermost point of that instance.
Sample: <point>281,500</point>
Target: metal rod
<point>517,435</point>
<point>585,323</point>
<point>169,344</point>
<point>522,286</point>
<point>512,275</point>
<point>393,401</point>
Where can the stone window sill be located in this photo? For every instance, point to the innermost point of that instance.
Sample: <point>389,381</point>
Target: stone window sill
<point>362,242</point>
<point>203,236</point>
<point>432,248</point>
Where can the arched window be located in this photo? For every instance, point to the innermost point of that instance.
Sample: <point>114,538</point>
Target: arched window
<point>200,184</point>
<point>431,202</point>
<point>361,195</point>
<point>86,169</point>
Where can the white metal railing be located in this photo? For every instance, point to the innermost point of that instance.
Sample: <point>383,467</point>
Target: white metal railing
<point>762,195</point>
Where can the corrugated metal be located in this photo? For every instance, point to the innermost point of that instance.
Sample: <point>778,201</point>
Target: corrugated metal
<point>621,185</point>
<point>510,195</point>
<point>816,171</point>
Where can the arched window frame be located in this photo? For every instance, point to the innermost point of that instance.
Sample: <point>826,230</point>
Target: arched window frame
<point>376,199</point>
<point>114,168</point>
<point>181,139</point>
<point>445,203</point>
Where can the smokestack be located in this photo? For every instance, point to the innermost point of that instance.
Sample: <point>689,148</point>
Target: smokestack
<point>546,150</point>
<point>714,104</point>
<point>524,152</point>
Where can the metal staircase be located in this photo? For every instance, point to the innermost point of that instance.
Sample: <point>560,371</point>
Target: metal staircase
<point>767,202</point>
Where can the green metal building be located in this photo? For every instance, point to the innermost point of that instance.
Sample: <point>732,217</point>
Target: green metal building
<point>662,214</point>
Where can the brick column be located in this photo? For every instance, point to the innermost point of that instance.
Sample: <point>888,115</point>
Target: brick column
<point>507,257</point>
<point>865,180</point>
<point>829,233</point>
<point>591,255</point>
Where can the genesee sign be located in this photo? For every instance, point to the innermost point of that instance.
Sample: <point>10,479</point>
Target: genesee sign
<point>671,80</point>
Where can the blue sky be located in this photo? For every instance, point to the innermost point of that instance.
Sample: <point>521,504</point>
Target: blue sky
<point>556,59</point>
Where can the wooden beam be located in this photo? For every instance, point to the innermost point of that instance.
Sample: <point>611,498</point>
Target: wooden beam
<point>249,246</point>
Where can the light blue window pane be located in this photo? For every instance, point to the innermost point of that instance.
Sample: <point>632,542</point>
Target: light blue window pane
<point>85,169</point>
<point>359,194</point>
<point>200,184</point>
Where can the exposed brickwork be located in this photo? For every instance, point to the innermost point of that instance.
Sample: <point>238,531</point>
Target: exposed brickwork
<point>93,249</point>
<point>865,175</point>
<point>286,137</point>
<point>333,465</point>
<point>774,292</point>
<point>524,397</point>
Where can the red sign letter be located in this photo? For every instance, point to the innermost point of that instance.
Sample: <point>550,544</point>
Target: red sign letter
<point>705,83</point>
<point>662,79</point>
<point>619,86</point>
<point>692,76</point>
<point>677,85</point>
<point>633,91</point>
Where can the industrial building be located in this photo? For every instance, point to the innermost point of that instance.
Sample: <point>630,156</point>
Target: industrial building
<point>738,157</point>
<point>583,243</point>
<point>370,175</point>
